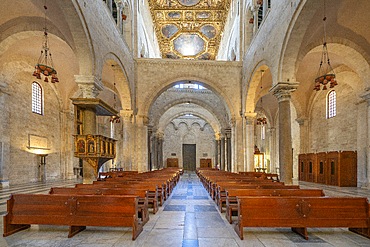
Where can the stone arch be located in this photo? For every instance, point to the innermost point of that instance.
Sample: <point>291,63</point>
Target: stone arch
<point>215,125</point>
<point>223,122</point>
<point>292,52</point>
<point>123,85</point>
<point>250,89</point>
<point>201,81</point>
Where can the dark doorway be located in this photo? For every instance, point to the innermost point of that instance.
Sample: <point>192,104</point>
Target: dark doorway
<point>189,157</point>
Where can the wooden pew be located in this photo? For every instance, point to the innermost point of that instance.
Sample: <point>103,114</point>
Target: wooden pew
<point>232,194</point>
<point>154,196</point>
<point>220,194</point>
<point>302,212</point>
<point>142,194</point>
<point>77,212</point>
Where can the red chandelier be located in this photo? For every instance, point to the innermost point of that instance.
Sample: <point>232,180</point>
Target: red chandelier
<point>45,64</point>
<point>326,74</point>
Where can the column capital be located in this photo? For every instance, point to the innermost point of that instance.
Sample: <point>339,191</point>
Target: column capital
<point>250,117</point>
<point>143,120</point>
<point>89,85</point>
<point>282,90</point>
<point>366,95</point>
<point>160,135</point>
<point>301,121</point>
<point>126,113</point>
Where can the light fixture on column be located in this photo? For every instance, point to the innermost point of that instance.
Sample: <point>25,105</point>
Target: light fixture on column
<point>45,64</point>
<point>114,118</point>
<point>326,73</point>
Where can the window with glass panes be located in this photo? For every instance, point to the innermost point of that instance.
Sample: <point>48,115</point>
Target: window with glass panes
<point>37,98</point>
<point>332,104</point>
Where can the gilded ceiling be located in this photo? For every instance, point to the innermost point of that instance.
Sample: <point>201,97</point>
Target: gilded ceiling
<point>189,29</point>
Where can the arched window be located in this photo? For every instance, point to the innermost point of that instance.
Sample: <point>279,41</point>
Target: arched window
<point>37,104</point>
<point>114,11</point>
<point>331,104</point>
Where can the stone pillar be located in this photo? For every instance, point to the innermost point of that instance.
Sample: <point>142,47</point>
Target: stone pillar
<point>282,92</point>
<point>249,133</point>
<point>4,135</point>
<point>127,132</point>
<point>223,154</point>
<point>365,169</point>
<point>90,87</point>
<point>141,144</point>
<point>303,132</point>
<point>272,149</point>
<point>160,138</point>
<point>67,152</point>
<point>228,150</point>
<point>152,149</point>
<point>218,151</point>
<point>239,146</point>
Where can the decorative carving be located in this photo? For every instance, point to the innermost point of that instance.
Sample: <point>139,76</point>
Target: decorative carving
<point>283,90</point>
<point>303,208</point>
<point>205,18</point>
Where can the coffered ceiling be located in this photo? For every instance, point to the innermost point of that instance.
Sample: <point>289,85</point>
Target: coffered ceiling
<point>189,29</point>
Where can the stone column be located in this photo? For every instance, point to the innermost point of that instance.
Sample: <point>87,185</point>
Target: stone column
<point>303,132</point>
<point>223,154</point>
<point>249,133</point>
<point>282,92</point>
<point>228,150</point>
<point>363,171</point>
<point>272,148</point>
<point>127,132</point>
<point>152,148</point>
<point>90,87</point>
<point>239,145</point>
<point>160,136</point>
<point>4,135</point>
<point>67,152</point>
<point>217,153</point>
<point>141,144</point>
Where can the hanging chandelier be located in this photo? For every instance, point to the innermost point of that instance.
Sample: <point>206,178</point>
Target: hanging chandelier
<point>114,118</point>
<point>45,64</point>
<point>261,121</point>
<point>325,74</point>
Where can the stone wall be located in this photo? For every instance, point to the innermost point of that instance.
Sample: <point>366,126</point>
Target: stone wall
<point>188,131</point>
<point>24,126</point>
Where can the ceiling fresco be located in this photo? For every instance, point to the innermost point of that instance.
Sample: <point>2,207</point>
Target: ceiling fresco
<point>189,29</point>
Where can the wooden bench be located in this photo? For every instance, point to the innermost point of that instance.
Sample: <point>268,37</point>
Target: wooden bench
<point>232,194</point>
<point>154,196</point>
<point>142,194</point>
<point>77,212</point>
<point>220,194</point>
<point>302,212</point>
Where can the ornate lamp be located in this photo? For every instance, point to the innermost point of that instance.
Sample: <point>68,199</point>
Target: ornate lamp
<point>326,74</point>
<point>45,64</point>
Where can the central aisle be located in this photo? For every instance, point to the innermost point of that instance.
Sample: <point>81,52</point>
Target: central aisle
<point>189,218</point>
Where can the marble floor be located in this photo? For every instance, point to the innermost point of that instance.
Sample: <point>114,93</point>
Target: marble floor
<point>188,218</point>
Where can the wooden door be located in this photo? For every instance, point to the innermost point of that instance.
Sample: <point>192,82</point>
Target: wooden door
<point>205,163</point>
<point>332,168</point>
<point>321,168</point>
<point>302,167</point>
<point>172,162</point>
<point>189,157</point>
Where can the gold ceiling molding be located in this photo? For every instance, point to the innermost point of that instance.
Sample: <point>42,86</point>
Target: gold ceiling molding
<point>189,29</point>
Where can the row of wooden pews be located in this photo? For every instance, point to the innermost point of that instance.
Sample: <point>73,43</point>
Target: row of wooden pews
<point>262,201</point>
<point>118,199</point>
